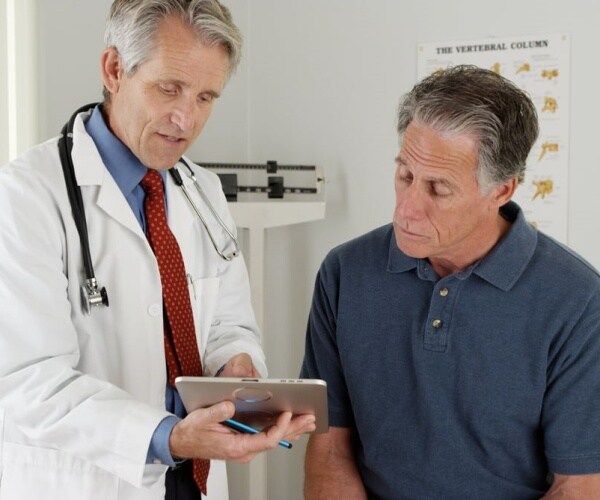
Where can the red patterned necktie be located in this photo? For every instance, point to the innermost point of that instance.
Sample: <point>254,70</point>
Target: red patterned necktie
<point>181,349</point>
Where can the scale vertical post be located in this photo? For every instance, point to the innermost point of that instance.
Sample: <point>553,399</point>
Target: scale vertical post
<point>256,271</point>
<point>257,469</point>
<point>250,481</point>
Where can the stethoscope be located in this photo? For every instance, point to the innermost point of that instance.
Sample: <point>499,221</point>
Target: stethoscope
<point>179,181</point>
<point>91,292</point>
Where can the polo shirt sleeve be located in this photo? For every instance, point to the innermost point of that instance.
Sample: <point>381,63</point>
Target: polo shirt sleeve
<point>571,412</point>
<point>321,358</point>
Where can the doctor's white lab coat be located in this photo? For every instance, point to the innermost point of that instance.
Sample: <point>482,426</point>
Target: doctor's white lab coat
<point>81,395</point>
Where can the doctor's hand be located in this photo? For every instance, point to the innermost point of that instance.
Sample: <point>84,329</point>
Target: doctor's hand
<point>200,435</point>
<point>240,366</point>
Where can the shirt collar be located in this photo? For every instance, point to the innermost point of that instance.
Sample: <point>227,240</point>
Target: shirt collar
<point>398,261</point>
<point>123,165</point>
<point>502,267</point>
<point>506,262</point>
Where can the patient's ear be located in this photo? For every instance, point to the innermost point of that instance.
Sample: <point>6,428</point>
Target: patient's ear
<point>504,192</point>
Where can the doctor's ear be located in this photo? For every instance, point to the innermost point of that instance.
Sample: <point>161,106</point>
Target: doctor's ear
<point>111,68</point>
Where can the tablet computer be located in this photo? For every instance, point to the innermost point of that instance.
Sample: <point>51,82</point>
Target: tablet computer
<point>258,402</point>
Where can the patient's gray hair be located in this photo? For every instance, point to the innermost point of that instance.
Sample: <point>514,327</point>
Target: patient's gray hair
<point>480,103</point>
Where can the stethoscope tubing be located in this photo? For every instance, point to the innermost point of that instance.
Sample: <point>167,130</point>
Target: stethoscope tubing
<point>179,181</point>
<point>91,293</point>
<point>65,146</point>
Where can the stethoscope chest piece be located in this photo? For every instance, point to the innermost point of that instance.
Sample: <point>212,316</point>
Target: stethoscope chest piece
<point>92,296</point>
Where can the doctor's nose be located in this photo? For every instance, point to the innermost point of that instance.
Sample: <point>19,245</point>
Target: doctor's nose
<point>183,116</point>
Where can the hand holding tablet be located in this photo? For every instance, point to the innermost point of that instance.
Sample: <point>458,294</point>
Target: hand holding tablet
<point>258,402</point>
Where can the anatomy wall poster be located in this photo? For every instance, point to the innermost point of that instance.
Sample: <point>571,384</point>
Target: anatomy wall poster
<point>539,64</point>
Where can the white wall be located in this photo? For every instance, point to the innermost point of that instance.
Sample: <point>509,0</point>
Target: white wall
<point>4,138</point>
<point>18,78</point>
<point>70,40</point>
<point>320,84</point>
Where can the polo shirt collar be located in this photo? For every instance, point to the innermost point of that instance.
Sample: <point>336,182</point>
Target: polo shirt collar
<point>398,261</point>
<point>507,261</point>
<point>502,267</point>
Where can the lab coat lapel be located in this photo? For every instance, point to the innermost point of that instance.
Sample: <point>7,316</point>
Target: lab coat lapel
<point>91,171</point>
<point>180,216</point>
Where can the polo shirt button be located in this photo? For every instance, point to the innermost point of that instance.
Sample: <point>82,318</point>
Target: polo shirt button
<point>444,292</point>
<point>436,323</point>
<point>154,310</point>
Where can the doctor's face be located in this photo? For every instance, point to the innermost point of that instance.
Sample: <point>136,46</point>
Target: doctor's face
<point>159,110</point>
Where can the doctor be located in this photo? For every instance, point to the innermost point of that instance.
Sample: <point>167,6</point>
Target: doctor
<point>86,409</point>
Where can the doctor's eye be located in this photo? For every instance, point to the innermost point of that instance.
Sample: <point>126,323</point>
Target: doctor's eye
<point>168,88</point>
<point>206,98</point>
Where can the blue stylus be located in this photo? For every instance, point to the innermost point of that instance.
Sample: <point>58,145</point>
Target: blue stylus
<point>238,426</point>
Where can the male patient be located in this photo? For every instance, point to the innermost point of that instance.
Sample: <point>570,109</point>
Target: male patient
<point>461,346</point>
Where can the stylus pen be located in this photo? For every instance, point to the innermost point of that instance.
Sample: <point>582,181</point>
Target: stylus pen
<point>238,426</point>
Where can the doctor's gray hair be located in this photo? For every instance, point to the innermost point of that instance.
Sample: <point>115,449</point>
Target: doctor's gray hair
<point>132,24</point>
<point>468,100</point>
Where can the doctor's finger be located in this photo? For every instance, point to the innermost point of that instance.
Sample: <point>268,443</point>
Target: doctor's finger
<point>213,414</point>
<point>300,424</point>
<point>240,365</point>
<point>267,439</point>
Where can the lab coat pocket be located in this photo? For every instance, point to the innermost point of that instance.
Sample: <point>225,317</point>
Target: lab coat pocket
<point>32,473</point>
<point>204,293</point>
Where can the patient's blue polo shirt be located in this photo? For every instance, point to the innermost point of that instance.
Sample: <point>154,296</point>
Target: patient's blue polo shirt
<point>476,385</point>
